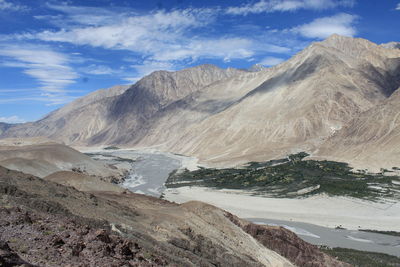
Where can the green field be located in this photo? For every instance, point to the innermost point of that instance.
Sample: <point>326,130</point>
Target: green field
<point>293,177</point>
<point>362,258</point>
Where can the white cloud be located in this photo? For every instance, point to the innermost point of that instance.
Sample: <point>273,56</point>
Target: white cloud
<point>398,6</point>
<point>137,33</point>
<point>8,6</point>
<point>98,70</point>
<point>225,48</point>
<point>12,119</point>
<point>342,24</point>
<point>51,69</point>
<point>49,101</point>
<point>269,6</point>
<point>271,61</point>
<point>83,15</point>
<point>158,37</point>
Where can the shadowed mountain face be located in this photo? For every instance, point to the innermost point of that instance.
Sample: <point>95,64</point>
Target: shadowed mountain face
<point>232,116</point>
<point>4,127</point>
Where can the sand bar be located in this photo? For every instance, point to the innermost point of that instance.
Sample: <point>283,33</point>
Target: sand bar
<point>322,210</point>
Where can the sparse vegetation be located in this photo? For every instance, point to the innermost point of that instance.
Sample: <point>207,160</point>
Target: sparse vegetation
<point>392,233</point>
<point>112,157</point>
<point>362,258</point>
<point>293,177</point>
<point>111,148</point>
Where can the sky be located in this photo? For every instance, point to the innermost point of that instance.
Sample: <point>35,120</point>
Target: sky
<point>52,52</point>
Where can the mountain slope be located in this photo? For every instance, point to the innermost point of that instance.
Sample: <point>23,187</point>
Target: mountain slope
<point>371,140</point>
<point>191,234</point>
<point>128,113</point>
<point>75,121</point>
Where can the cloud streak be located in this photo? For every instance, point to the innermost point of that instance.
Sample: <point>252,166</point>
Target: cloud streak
<point>49,68</point>
<point>94,69</point>
<point>8,6</point>
<point>269,6</point>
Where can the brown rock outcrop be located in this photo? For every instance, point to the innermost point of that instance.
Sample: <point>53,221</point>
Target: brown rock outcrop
<point>287,244</point>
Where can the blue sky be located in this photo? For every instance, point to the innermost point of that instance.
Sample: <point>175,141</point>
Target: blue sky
<point>52,52</point>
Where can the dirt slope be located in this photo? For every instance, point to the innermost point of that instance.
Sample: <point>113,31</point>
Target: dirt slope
<point>42,157</point>
<point>193,234</point>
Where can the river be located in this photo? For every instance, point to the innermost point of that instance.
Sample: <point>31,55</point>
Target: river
<point>148,169</point>
<point>343,238</point>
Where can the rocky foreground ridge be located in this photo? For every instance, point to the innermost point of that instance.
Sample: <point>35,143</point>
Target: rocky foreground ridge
<point>47,224</point>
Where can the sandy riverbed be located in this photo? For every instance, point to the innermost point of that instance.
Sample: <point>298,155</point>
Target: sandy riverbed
<point>320,210</point>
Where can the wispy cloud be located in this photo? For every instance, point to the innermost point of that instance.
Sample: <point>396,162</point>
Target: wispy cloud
<point>140,33</point>
<point>12,119</point>
<point>48,101</point>
<point>48,67</point>
<point>269,6</point>
<point>95,69</point>
<point>398,6</point>
<point>271,61</point>
<point>342,24</point>
<point>8,6</point>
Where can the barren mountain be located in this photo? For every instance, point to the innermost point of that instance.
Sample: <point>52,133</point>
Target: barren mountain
<point>66,226</point>
<point>231,116</point>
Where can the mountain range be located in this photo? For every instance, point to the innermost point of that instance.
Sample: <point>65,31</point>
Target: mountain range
<point>336,99</point>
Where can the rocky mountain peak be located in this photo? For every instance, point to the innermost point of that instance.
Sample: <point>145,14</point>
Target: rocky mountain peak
<point>351,46</point>
<point>165,86</point>
<point>256,68</point>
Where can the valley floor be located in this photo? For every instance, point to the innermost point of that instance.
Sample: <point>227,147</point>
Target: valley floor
<point>322,210</point>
